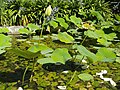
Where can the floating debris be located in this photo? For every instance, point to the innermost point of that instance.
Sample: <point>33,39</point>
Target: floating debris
<point>106,79</point>
<point>62,87</point>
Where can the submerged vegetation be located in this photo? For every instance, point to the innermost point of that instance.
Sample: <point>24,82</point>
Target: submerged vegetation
<point>63,45</point>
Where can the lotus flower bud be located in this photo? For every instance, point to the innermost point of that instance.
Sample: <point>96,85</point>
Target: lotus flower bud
<point>20,88</point>
<point>48,28</point>
<point>48,11</point>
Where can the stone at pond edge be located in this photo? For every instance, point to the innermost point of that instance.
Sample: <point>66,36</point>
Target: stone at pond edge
<point>13,29</point>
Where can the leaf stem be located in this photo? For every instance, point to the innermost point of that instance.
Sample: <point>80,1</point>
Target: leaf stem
<point>23,78</point>
<point>72,77</point>
<point>73,74</point>
<point>43,26</point>
<point>31,77</point>
<point>83,40</point>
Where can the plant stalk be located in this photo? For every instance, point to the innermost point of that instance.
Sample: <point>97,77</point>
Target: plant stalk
<point>83,40</point>
<point>23,78</point>
<point>31,77</point>
<point>43,26</point>
<point>72,77</point>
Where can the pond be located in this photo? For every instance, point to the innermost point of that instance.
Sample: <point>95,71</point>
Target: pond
<point>59,45</point>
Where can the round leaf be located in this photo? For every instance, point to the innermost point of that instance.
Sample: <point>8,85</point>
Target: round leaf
<point>64,24</point>
<point>60,20</point>
<point>43,48</point>
<point>54,24</point>
<point>24,31</point>
<point>45,60</point>
<point>85,77</point>
<point>65,37</point>
<point>82,50</point>
<point>61,55</point>
<point>75,20</point>
<point>105,55</point>
<point>33,26</point>
<point>4,30</point>
<point>4,41</point>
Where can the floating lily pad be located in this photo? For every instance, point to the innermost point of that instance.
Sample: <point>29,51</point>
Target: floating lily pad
<point>43,48</point>
<point>24,31</point>
<point>85,77</point>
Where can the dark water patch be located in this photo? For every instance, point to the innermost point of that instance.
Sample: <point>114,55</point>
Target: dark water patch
<point>2,57</point>
<point>13,76</point>
<point>69,65</point>
<point>118,85</point>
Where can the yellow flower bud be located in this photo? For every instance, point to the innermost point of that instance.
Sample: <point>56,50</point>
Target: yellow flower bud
<point>48,11</point>
<point>86,26</point>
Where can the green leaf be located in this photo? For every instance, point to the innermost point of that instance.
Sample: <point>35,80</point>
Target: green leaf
<point>111,36</point>
<point>25,54</point>
<point>4,41</point>
<point>43,48</point>
<point>101,37</point>
<point>64,24</point>
<point>60,20</point>
<point>54,24</point>
<point>61,55</point>
<point>94,34</point>
<point>91,34</point>
<point>103,42</point>
<point>65,37</point>
<point>4,30</point>
<point>45,60</point>
<point>117,51</point>
<point>100,33</point>
<point>85,77</point>
<point>67,18</point>
<point>34,49</point>
<point>24,31</point>
<point>72,31</point>
<point>106,24</point>
<point>117,17</point>
<point>105,55</point>
<point>82,50</point>
<point>46,50</point>
<point>32,27</point>
<point>117,28</point>
<point>97,14</point>
<point>118,59</point>
<point>75,20</point>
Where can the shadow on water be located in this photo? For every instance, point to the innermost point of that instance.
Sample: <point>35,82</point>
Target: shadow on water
<point>13,76</point>
<point>118,84</point>
<point>69,65</point>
